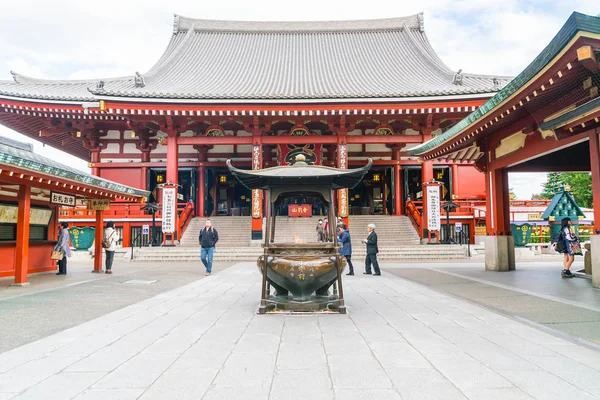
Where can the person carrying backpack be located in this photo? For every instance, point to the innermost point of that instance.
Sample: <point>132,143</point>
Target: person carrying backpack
<point>568,244</point>
<point>109,244</point>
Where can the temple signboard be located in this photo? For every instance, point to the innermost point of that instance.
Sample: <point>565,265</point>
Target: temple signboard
<point>299,210</point>
<point>62,199</point>
<point>98,204</point>
<point>168,210</point>
<point>433,208</point>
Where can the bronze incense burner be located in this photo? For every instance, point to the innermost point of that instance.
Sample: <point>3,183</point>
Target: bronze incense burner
<point>300,276</point>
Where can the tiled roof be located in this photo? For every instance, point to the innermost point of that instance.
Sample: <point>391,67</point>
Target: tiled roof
<point>300,173</point>
<point>20,155</point>
<point>206,60</point>
<point>576,22</point>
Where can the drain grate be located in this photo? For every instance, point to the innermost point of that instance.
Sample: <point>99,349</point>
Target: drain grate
<point>139,282</point>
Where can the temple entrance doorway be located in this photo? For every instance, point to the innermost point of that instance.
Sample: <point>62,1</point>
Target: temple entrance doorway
<point>412,183</point>
<point>374,195</point>
<point>225,196</point>
<point>186,180</point>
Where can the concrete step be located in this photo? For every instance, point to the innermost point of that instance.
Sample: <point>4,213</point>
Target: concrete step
<point>396,253</point>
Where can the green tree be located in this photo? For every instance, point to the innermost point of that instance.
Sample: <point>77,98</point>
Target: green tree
<point>580,183</point>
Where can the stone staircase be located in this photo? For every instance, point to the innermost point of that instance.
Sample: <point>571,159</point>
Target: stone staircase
<point>391,231</point>
<point>233,231</point>
<point>398,240</point>
<point>400,254</point>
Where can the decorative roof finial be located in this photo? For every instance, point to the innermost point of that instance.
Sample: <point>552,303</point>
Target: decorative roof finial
<point>458,78</point>
<point>496,83</point>
<point>421,22</point>
<point>100,85</point>
<point>14,75</point>
<point>138,80</point>
<point>300,160</point>
<point>176,24</point>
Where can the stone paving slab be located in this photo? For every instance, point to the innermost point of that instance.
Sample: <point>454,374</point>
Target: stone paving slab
<point>548,301</point>
<point>204,340</point>
<point>53,303</point>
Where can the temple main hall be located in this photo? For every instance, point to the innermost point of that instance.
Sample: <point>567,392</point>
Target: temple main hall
<point>259,93</point>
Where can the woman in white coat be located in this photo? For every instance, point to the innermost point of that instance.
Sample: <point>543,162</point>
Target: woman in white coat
<point>112,236</point>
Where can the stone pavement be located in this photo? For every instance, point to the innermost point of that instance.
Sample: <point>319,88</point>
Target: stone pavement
<point>53,303</point>
<point>535,292</point>
<point>400,340</point>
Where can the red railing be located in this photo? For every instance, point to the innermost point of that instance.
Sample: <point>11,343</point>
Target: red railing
<point>414,211</point>
<point>187,214</point>
<point>116,210</point>
<point>467,208</point>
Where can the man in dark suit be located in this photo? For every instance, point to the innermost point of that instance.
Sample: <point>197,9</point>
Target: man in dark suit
<point>372,251</point>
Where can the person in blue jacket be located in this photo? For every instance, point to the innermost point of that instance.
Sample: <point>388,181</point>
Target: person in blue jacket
<point>346,250</point>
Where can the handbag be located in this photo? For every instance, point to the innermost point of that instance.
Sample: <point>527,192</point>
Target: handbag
<point>56,255</point>
<point>106,241</point>
<point>576,248</point>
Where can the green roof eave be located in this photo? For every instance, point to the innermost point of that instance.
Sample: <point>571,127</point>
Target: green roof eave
<point>573,114</point>
<point>576,22</point>
<point>13,156</point>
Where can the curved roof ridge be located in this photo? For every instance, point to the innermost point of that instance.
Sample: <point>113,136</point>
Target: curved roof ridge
<point>425,48</point>
<point>182,24</point>
<point>490,76</point>
<point>24,79</point>
<point>170,52</point>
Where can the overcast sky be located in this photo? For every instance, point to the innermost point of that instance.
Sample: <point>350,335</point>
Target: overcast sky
<point>76,39</point>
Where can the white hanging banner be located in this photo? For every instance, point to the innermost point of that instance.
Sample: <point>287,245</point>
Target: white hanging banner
<point>433,208</point>
<point>169,208</point>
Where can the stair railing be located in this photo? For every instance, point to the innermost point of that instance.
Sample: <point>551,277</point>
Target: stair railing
<point>187,214</point>
<point>133,241</point>
<point>414,211</point>
<point>463,236</point>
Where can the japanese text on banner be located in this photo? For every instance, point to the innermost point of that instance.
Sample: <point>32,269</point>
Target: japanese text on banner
<point>169,210</point>
<point>433,208</point>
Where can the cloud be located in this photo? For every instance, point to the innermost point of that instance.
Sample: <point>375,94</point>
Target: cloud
<point>526,184</point>
<point>98,73</point>
<point>64,39</point>
<point>23,67</point>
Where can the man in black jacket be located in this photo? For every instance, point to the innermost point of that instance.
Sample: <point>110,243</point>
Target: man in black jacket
<point>208,238</point>
<point>372,251</point>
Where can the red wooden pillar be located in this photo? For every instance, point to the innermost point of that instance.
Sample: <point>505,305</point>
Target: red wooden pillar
<point>144,169</point>
<point>499,244</point>
<point>99,235</point>
<point>95,158</point>
<point>426,172</point>
<point>173,170</point>
<point>172,159</point>
<point>397,180</point>
<point>498,204</point>
<point>201,190</point>
<point>397,190</point>
<point>595,237</point>
<point>22,250</point>
<point>455,192</point>
<point>126,239</point>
